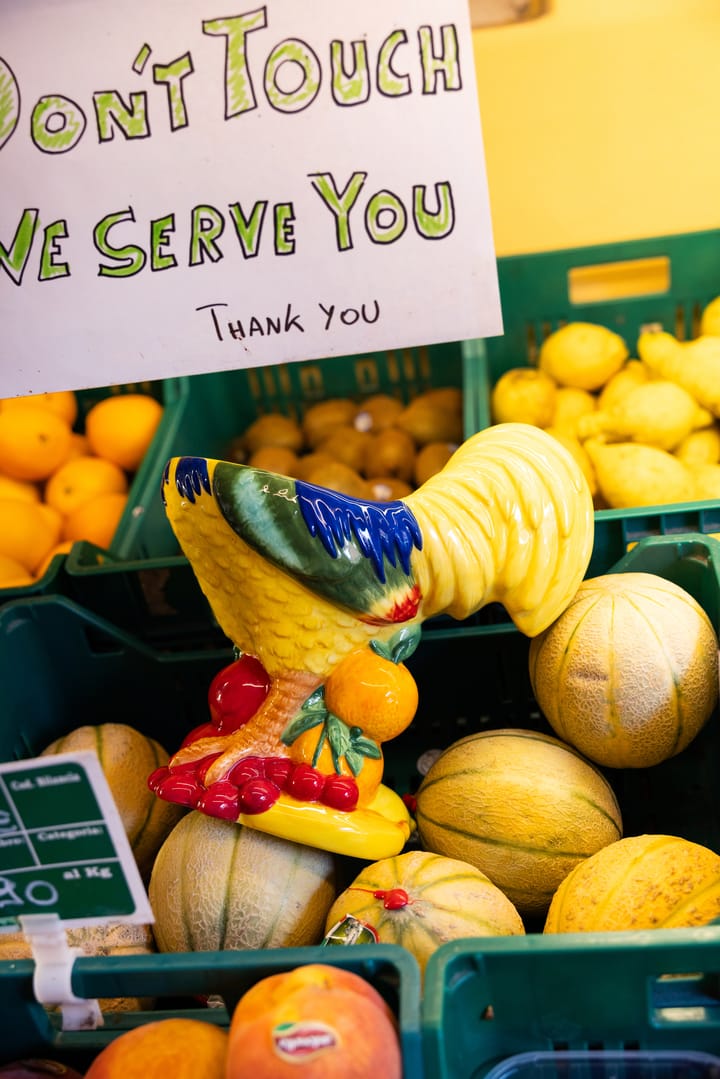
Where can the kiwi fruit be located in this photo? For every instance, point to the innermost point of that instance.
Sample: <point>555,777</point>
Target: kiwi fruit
<point>346,444</point>
<point>322,418</point>
<point>427,421</point>
<point>377,412</point>
<point>391,453</point>
<point>275,459</point>
<point>431,459</point>
<point>388,488</point>
<point>338,477</point>
<point>273,429</point>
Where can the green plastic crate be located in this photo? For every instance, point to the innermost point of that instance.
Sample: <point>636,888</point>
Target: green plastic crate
<point>178,983</point>
<point>62,665</point>
<point>624,991</point>
<point>538,296</point>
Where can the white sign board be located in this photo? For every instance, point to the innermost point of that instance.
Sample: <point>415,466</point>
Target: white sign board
<point>190,187</point>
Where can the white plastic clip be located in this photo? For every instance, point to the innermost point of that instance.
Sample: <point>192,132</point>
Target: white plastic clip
<point>52,980</point>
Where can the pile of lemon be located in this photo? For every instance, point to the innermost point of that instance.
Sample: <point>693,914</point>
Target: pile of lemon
<point>644,428</point>
<point>59,484</point>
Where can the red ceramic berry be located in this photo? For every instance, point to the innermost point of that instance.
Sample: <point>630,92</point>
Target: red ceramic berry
<point>220,800</point>
<point>340,792</point>
<point>305,783</point>
<point>247,768</point>
<point>236,692</point>
<point>257,795</point>
<point>278,770</point>
<point>205,730</point>
<point>181,788</point>
<point>156,777</point>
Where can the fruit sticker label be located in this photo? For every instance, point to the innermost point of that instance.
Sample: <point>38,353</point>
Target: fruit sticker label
<point>301,1042</point>
<point>63,848</point>
<point>188,190</point>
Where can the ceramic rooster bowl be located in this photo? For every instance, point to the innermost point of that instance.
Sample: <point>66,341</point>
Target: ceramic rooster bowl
<point>323,597</point>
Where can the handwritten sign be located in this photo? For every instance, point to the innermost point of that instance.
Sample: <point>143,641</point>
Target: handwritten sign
<point>63,849</point>
<point>187,188</point>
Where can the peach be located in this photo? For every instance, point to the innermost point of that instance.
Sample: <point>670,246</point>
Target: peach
<point>181,1048</point>
<point>314,1022</point>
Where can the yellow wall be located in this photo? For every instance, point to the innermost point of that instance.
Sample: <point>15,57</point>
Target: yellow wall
<point>601,121</point>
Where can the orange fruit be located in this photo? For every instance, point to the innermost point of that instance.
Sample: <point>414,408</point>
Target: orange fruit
<point>63,547</point>
<point>33,441</point>
<point>121,428</point>
<point>368,779</point>
<point>79,446</point>
<point>13,574</point>
<point>96,520</point>
<point>82,478</point>
<point>183,1048</point>
<point>27,531</point>
<point>62,402</point>
<point>24,489</point>
<point>367,690</point>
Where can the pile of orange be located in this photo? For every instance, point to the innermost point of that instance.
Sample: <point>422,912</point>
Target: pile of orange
<point>59,484</point>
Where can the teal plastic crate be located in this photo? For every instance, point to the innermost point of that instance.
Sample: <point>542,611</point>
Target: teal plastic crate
<point>605,1064</point>
<point>62,666</point>
<point>666,281</point>
<point>180,985</point>
<point>486,1001</point>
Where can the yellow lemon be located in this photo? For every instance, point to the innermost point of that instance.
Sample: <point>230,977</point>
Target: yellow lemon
<point>710,319</point>
<point>570,404</point>
<point>523,395</point>
<point>582,354</point>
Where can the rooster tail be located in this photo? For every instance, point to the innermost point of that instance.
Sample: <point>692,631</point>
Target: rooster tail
<point>509,519</point>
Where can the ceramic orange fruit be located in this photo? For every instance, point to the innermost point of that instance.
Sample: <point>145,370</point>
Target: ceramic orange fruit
<point>178,1047</point>
<point>313,748</point>
<point>368,689</point>
<point>121,428</point>
<point>34,441</point>
<point>316,1022</point>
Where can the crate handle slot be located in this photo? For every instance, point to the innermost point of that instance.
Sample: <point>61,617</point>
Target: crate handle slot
<point>619,280</point>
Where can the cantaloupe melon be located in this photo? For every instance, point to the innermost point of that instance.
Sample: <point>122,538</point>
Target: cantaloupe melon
<point>628,674</point>
<point>640,882</point>
<point>520,806</point>
<point>127,757</point>
<point>218,885</point>
<point>421,900</point>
